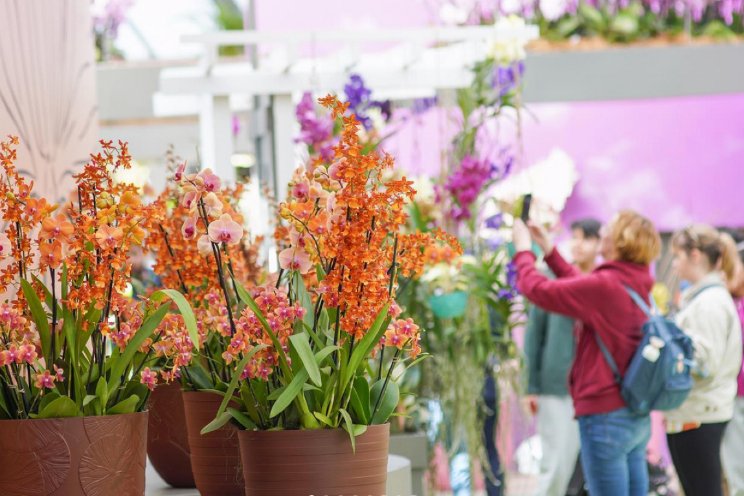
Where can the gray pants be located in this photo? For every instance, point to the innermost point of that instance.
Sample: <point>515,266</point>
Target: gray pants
<point>731,450</point>
<point>559,435</point>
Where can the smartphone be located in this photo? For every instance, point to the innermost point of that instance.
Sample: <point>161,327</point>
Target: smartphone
<point>526,203</point>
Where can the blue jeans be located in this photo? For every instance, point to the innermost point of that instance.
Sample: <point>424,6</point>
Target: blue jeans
<point>613,453</point>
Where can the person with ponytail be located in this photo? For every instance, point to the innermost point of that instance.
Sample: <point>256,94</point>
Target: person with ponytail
<point>708,315</point>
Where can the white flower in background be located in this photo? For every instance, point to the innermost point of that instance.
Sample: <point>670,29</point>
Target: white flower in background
<point>509,7</point>
<point>378,120</point>
<point>508,45</point>
<point>452,14</point>
<point>551,182</point>
<point>424,188</point>
<point>552,10</point>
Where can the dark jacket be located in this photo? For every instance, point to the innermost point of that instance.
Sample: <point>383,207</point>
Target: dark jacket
<point>549,346</point>
<point>603,306</point>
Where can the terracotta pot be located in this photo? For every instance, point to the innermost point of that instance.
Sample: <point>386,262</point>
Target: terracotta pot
<point>215,457</point>
<point>86,456</point>
<point>167,439</point>
<point>320,462</point>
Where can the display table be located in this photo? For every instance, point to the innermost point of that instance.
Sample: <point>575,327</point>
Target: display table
<point>398,483</point>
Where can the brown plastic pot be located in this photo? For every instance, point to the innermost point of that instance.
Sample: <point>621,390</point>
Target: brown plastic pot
<point>86,456</point>
<point>319,462</point>
<point>167,439</point>
<point>215,457</point>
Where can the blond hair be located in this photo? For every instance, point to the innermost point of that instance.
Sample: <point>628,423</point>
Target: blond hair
<point>718,247</point>
<point>634,237</point>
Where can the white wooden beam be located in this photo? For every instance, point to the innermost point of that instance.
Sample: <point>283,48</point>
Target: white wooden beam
<point>284,132</point>
<point>215,136</point>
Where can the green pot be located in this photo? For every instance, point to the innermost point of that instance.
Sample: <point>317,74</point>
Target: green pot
<point>450,305</point>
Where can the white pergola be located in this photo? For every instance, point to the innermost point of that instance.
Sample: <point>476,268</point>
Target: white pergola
<point>402,64</point>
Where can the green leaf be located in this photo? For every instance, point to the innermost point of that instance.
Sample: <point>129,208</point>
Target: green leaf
<point>276,393</point>
<point>186,312</point>
<point>48,398</point>
<point>60,407</point>
<point>144,332</point>
<point>289,394</point>
<point>241,418</point>
<point>365,346</point>
<point>40,319</point>
<point>301,345</point>
<point>219,422</point>
<point>324,419</point>
<point>230,392</point>
<point>593,16</point>
<point>199,377</point>
<point>351,428</point>
<point>360,399</point>
<point>102,390</point>
<point>388,402</point>
<point>128,405</point>
<point>88,398</point>
<point>304,299</point>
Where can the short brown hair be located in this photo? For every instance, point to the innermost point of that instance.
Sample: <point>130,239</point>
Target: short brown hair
<point>634,237</point>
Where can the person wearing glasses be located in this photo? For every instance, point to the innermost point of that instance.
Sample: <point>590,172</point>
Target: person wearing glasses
<point>706,259</point>
<point>613,439</point>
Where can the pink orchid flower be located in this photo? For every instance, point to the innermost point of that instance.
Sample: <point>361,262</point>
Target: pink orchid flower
<point>225,230</point>
<point>213,205</point>
<point>179,171</point>
<point>189,228</point>
<point>295,259</point>
<point>149,378</point>
<point>210,179</point>
<point>204,245</point>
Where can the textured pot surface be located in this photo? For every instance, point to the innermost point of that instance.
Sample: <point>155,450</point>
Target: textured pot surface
<point>215,457</point>
<point>86,456</point>
<point>167,439</point>
<point>319,462</point>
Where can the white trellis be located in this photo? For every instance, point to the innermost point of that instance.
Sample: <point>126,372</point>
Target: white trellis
<point>411,63</point>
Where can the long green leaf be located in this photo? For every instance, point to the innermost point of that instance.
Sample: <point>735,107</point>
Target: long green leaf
<point>242,418</point>
<point>128,405</point>
<point>360,399</point>
<point>40,319</point>
<point>351,428</point>
<point>386,406</point>
<point>305,300</point>
<point>144,332</point>
<point>289,394</point>
<point>301,345</point>
<point>229,393</point>
<point>186,312</point>
<point>218,422</point>
<point>365,346</point>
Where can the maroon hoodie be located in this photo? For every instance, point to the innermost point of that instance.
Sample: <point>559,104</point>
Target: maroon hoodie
<point>601,305</point>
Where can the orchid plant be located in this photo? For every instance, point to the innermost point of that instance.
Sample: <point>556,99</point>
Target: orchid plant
<point>319,347</point>
<point>200,247</point>
<point>71,343</point>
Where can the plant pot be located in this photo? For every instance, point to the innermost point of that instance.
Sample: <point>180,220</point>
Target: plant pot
<point>167,439</point>
<point>86,456</point>
<point>320,462</point>
<point>415,447</point>
<point>450,305</point>
<point>215,457</point>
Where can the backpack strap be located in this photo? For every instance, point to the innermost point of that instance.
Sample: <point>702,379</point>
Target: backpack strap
<point>640,302</point>
<point>603,348</point>
<point>608,358</point>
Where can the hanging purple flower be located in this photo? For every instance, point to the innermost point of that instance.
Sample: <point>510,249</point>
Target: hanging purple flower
<point>315,131</point>
<point>507,78</point>
<point>495,221</point>
<point>421,105</point>
<point>360,101</point>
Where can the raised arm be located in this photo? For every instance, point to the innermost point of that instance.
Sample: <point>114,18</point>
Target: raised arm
<point>567,296</point>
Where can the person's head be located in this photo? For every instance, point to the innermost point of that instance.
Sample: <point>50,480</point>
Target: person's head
<point>700,250</point>
<point>585,242</point>
<point>630,237</point>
